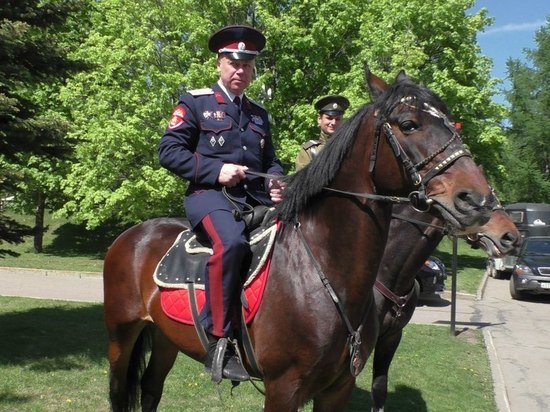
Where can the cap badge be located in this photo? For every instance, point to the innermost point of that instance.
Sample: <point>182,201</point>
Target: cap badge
<point>335,106</point>
<point>257,120</point>
<point>241,46</point>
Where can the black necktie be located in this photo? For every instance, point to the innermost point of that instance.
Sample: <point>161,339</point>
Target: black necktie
<point>237,101</point>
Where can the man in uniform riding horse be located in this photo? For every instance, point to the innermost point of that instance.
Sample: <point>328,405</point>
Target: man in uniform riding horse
<point>330,111</point>
<point>215,138</point>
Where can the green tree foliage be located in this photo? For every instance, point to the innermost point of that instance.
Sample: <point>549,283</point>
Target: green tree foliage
<point>146,53</point>
<point>32,61</point>
<point>528,155</point>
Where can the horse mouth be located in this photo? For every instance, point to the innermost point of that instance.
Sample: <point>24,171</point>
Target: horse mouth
<point>489,246</point>
<point>457,222</point>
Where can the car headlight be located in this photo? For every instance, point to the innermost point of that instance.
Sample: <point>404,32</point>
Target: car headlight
<point>523,270</point>
<point>431,264</point>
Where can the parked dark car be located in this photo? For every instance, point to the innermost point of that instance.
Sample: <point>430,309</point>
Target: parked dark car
<point>431,278</point>
<point>531,273</point>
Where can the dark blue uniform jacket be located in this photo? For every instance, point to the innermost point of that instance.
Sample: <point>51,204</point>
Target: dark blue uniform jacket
<point>205,132</point>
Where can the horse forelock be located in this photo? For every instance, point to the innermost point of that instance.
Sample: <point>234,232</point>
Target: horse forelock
<point>411,93</point>
<point>306,184</point>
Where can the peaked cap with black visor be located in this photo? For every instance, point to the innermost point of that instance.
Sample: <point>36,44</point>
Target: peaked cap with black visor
<point>333,105</point>
<point>238,42</point>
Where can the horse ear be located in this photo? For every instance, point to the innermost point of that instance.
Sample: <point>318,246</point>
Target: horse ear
<point>401,76</point>
<point>375,84</point>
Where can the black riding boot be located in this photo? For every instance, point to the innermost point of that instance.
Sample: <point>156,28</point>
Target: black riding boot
<point>223,362</point>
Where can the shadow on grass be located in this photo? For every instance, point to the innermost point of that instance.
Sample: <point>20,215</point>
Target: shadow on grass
<point>404,398</point>
<point>75,240</point>
<point>58,337</point>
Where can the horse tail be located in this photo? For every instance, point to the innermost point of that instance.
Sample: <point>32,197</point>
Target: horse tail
<point>136,368</point>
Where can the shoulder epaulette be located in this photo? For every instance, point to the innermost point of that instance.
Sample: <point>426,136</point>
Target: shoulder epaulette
<point>309,144</point>
<point>201,92</point>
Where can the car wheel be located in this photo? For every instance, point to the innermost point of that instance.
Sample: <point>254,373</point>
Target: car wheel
<point>498,274</point>
<point>490,268</point>
<point>516,294</point>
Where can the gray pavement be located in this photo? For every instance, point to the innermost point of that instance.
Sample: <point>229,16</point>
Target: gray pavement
<point>51,284</point>
<point>516,332</point>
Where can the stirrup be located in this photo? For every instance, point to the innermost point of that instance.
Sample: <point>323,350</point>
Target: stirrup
<point>217,360</point>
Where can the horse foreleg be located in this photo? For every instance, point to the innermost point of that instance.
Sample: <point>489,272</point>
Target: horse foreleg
<point>283,394</point>
<point>383,356</point>
<point>163,356</point>
<point>336,398</point>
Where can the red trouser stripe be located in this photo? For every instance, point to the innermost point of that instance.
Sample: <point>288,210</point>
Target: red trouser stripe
<point>215,278</point>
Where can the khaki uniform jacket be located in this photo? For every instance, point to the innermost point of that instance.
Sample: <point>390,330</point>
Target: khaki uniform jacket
<point>309,150</point>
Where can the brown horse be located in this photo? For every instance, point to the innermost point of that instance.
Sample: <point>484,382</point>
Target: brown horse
<point>317,324</point>
<point>412,238</point>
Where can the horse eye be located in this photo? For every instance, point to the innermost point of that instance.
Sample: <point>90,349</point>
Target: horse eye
<point>408,126</point>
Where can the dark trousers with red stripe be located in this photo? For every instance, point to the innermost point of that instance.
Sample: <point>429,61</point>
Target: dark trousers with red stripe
<point>223,278</point>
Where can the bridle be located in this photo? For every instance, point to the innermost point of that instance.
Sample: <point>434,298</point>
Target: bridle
<point>419,200</point>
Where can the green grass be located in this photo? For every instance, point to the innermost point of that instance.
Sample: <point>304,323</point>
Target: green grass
<point>67,246</point>
<point>52,358</point>
<point>471,265</point>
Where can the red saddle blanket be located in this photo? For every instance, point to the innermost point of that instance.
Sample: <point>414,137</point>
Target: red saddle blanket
<point>175,302</point>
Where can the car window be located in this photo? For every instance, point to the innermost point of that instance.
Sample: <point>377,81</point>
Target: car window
<point>516,216</point>
<point>537,247</point>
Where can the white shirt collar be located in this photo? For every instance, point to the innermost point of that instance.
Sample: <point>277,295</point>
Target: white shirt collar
<point>228,93</point>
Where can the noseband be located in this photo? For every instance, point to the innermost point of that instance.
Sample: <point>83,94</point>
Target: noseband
<point>418,199</point>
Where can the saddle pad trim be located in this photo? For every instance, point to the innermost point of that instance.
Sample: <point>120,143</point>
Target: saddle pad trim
<point>268,235</point>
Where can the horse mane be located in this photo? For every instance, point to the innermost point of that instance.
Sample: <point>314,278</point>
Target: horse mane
<point>307,183</point>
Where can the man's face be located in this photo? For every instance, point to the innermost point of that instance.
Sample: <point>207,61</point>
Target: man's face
<point>328,123</point>
<point>235,75</point>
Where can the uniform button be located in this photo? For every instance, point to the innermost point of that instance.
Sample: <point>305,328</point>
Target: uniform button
<point>245,187</point>
<point>242,129</point>
<point>245,148</point>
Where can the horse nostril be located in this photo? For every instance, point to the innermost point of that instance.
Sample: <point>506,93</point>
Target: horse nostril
<point>508,239</point>
<point>468,200</point>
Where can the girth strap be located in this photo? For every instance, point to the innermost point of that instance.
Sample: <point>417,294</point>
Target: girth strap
<point>195,313</point>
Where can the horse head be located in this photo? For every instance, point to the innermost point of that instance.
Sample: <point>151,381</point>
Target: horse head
<point>425,148</point>
<point>498,237</point>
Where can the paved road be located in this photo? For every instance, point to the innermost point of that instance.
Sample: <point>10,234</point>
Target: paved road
<point>50,284</point>
<point>517,333</point>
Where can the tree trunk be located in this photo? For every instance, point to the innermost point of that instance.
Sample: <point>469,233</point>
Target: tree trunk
<point>39,223</point>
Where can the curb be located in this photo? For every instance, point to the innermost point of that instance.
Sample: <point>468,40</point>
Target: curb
<point>46,272</point>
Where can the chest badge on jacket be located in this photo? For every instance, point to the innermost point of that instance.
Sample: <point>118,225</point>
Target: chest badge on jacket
<point>257,120</point>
